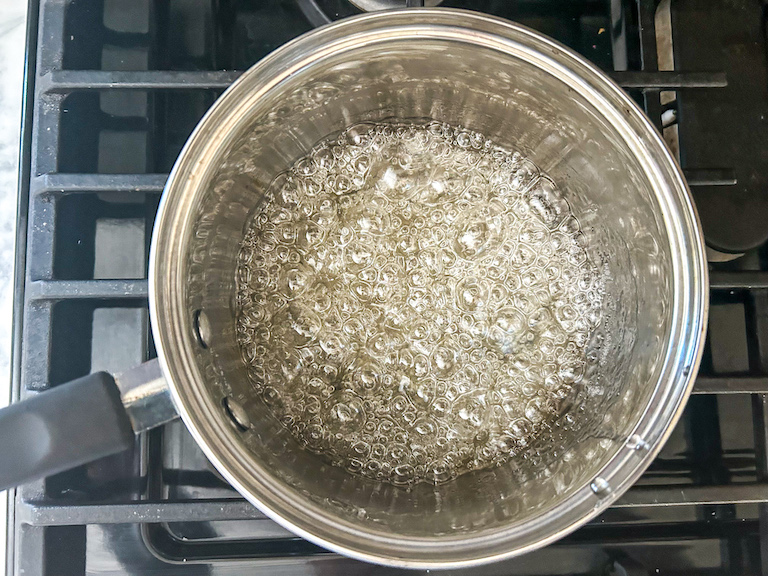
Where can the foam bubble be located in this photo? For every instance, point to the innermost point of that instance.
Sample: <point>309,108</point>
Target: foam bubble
<point>413,301</point>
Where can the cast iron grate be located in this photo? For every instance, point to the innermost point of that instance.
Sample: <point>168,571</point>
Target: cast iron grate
<point>113,90</point>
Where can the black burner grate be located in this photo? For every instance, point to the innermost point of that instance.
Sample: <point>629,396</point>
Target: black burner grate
<point>113,90</point>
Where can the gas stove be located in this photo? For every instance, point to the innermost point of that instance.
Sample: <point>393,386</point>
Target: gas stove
<point>114,88</point>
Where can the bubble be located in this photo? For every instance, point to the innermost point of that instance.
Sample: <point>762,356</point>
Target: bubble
<point>367,378</point>
<point>471,294</point>
<point>298,324</point>
<point>424,426</point>
<point>403,474</point>
<point>414,302</point>
<point>331,344</point>
<point>547,203</point>
<point>445,359</point>
<point>345,413</point>
<point>523,172</point>
<point>305,166</point>
<point>425,392</point>
<point>471,410</point>
<point>507,330</point>
<point>524,255</point>
<point>536,410</point>
<point>271,397</point>
<point>439,472</point>
<point>313,405</point>
<point>472,238</point>
<point>296,281</point>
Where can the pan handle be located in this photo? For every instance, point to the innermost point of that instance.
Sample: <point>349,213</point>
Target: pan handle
<point>80,421</point>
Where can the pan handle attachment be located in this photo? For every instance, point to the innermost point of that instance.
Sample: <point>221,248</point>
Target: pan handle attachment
<point>146,396</point>
<point>80,421</point>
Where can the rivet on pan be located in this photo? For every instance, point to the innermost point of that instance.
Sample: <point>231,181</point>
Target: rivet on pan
<point>600,486</point>
<point>237,414</point>
<point>636,442</point>
<point>202,328</point>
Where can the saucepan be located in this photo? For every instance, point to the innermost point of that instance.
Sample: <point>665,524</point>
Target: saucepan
<point>518,88</point>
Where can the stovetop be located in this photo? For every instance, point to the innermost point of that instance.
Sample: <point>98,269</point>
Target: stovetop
<point>113,90</point>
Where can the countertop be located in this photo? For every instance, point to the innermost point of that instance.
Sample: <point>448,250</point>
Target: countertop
<point>12,34</point>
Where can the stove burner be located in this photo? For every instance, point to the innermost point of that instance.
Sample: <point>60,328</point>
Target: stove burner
<point>107,77</point>
<point>373,5</point>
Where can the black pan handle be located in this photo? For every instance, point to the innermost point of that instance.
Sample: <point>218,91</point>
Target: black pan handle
<point>67,426</point>
<point>80,421</point>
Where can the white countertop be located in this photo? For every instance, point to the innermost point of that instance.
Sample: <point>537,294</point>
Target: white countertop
<point>12,35</point>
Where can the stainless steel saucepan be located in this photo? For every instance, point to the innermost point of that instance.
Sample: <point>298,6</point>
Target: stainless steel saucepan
<point>518,88</point>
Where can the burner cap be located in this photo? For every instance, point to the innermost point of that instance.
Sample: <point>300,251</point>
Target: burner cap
<point>373,5</point>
